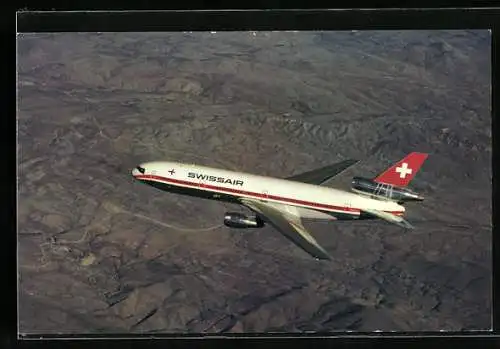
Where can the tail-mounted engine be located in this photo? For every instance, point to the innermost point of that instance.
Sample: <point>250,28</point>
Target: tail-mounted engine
<point>383,191</point>
<point>239,220</point>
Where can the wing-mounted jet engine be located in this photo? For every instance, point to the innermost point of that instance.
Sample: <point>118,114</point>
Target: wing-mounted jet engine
<point>239,220</point>
<point>383,191</point>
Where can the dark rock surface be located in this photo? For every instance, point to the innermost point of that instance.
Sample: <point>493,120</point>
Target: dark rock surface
<point>99,252</point>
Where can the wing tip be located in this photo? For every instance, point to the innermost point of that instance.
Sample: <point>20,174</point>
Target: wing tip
<point>323,257</point>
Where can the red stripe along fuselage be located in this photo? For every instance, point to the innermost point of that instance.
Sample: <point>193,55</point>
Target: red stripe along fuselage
<point>287,200</point>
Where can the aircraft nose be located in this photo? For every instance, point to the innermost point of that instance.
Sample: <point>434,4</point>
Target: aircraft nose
<point>138,171</point>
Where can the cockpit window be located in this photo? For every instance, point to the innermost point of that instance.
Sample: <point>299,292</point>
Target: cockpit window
<point>140,169</point>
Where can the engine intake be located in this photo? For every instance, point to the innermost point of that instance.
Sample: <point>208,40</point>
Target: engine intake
<point>239,220</point>
<point>384,191</point>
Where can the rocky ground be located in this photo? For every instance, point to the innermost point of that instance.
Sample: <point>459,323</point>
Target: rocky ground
<point>101,253</point>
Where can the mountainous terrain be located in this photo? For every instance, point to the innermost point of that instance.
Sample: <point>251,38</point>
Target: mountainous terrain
<point>99,252</point>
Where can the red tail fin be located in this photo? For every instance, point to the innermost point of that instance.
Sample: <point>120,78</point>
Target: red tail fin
<point>403,171</point>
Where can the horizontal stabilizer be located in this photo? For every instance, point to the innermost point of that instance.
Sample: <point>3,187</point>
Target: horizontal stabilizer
<point>389,217</point>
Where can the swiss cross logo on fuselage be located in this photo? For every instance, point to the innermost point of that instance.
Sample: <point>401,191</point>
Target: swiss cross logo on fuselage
<point>403,170</point>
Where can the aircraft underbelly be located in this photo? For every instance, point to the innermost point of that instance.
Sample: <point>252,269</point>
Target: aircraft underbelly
<point>302,212</point>
<point>313,214</point>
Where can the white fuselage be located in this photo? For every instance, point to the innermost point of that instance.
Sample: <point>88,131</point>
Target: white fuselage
<point>300,199</point>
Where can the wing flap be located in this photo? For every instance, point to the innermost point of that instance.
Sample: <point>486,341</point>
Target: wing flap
<point>290,226</point>
<point>391,218</point>
<point>322,175</point>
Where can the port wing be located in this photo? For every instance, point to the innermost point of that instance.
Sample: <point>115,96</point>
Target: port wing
<point>324,174</point>
<point>389,217</point>
<point>288,225</point>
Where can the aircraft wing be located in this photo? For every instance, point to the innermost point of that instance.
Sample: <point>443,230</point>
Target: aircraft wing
<point>323,174</point>
<point>288,225</point>
<point>391,218</point>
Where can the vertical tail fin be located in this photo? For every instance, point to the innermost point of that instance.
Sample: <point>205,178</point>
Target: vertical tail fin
<point>401,173</point>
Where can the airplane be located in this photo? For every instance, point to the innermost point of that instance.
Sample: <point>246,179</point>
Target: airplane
<point>283,203</point>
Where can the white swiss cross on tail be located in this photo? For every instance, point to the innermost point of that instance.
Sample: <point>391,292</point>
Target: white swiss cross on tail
<point>403,171</point>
